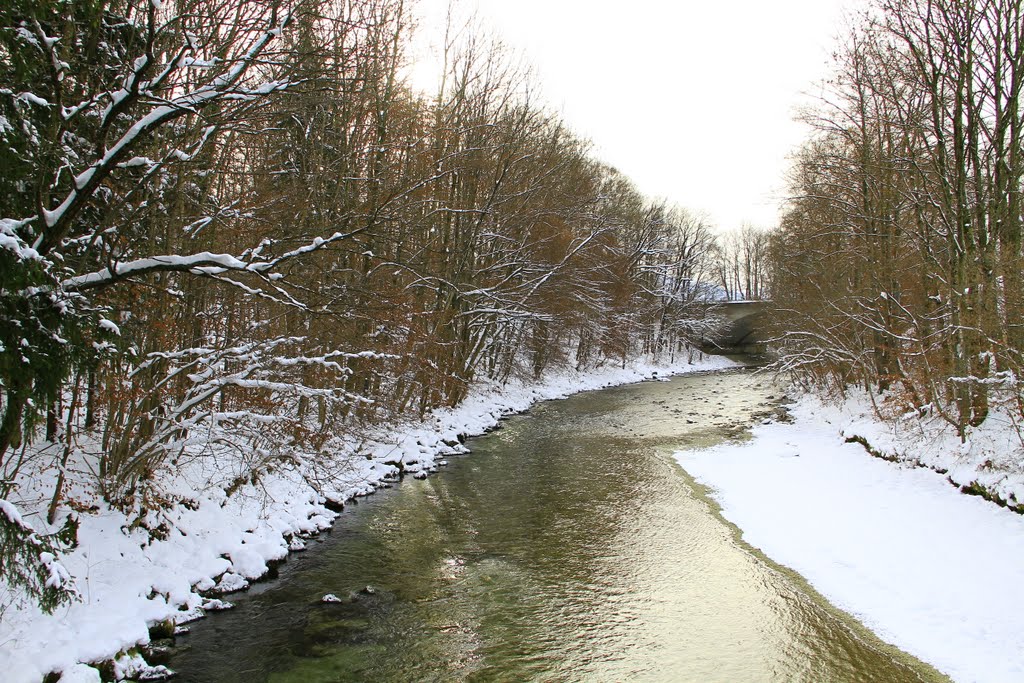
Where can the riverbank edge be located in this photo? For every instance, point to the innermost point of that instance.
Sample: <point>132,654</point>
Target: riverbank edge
<point>137,589</point>
<point>908,556</point>
<point>988,462</point>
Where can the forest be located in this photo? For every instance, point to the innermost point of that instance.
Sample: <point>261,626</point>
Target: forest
<point>897,265</point>
<point>233,227</point>
<point>251,268</point>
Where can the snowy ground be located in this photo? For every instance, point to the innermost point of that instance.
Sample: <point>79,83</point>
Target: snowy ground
<point>935,572</point>
<point>130,582</point>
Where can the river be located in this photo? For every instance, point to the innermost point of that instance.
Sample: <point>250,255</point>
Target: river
<point>569,546</point>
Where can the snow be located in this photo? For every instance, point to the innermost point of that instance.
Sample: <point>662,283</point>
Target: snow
<point>223,87</point>
<point>10,240</point>
<point>222,262</point>
<point>26,35</point>
<point>57,576</point>
<point>200,63</point>
<point>930,570</point>
<point>11,512</point>
<point>135,667</point>
<point>129,581</point>
<point>991,456</point>
<point>80,673</point>
<point>33,98</point>
<point>110,326</point>
<point>136,162</point>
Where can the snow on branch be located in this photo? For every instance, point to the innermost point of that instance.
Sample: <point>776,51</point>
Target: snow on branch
<point>228,86</point>
<point>30,560</point>
<point>259,384</point>
<point>12,241</point>
<point>203,263</point>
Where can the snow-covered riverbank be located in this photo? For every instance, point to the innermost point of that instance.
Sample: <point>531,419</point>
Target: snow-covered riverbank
<point>130,581</point>
<point>935,572</point>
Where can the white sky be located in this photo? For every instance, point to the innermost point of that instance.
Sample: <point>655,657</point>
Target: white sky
<point>692,99</point>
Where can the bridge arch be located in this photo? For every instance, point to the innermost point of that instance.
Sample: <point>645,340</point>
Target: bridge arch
<point>744,330</point>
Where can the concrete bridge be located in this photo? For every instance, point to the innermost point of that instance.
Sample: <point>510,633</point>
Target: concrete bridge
<point>744,331</point>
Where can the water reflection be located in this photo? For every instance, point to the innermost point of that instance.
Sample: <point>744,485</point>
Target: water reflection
<point>567,547</point>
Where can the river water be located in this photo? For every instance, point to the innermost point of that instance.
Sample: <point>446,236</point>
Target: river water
<point>569,546</point>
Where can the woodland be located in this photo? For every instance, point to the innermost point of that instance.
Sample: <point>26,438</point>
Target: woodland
<point>234,234</point>
<point>897,266</point>
<point>233,227</point>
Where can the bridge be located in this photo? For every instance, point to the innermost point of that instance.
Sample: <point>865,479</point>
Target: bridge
<point>744,331</point>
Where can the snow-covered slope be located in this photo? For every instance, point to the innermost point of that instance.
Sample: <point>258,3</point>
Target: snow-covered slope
<point>130,581</point>
<point>935,572</point>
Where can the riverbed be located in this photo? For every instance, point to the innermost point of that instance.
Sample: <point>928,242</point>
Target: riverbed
<point>569,546</point>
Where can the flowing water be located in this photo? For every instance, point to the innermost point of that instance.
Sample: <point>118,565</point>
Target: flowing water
<point>569,546</point>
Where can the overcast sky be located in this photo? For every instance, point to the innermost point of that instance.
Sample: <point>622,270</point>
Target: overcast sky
<point>693,100</point>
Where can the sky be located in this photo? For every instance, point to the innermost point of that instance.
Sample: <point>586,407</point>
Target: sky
<point>692,100</point>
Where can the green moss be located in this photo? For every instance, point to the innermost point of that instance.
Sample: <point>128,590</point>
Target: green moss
<point>977,489</point>
<point>162,629</point>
